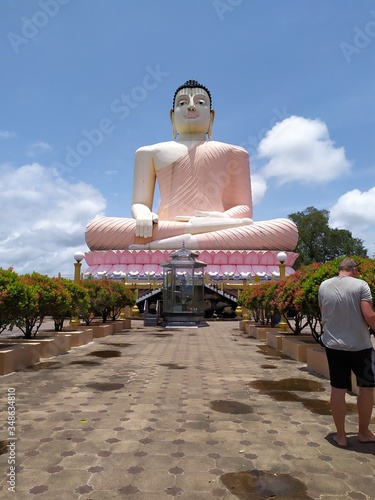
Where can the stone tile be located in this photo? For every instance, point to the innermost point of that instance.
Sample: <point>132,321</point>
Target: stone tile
<point>161,421</point>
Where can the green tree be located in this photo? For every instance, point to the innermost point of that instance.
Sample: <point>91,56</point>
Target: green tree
<point>67,296</point>
<point>7,310</point>
<point>318,242</point>
<point>28,298</point>
<point>107,298</point>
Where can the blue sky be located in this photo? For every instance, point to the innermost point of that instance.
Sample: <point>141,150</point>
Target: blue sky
<point>84,83</point>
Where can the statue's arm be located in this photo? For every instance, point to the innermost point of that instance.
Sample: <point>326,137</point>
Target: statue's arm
<point>237,199</point>
<point>143,192</point>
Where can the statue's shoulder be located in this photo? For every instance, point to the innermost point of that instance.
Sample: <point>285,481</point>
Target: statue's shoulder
<point>156,148</point>
<point>228,147</point>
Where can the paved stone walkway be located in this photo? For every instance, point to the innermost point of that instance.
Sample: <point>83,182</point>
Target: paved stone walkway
<point>194,414</point>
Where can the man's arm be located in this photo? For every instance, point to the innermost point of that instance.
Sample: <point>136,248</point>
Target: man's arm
<point>368,313</point>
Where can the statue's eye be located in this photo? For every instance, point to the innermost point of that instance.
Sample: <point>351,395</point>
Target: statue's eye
<point>181,103</point>
<point>202,102</point>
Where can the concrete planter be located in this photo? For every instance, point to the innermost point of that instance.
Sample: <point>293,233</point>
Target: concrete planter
<point>15,355</point>
<point>53,345</point>
<point>261,332</point>
<point>296,347</point>
<point>257,331</point>
<point>274,339</point>
<point>99,330</point>
<point>118,326</point>
<point>78,337</point>
<point>317,361</point>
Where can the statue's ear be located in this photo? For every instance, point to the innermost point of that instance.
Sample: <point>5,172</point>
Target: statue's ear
<point>209,133</point>
<point>174,131</point>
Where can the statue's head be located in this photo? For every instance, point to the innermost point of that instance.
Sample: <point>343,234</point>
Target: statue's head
<point>191,84</point>
<point>192,109</point>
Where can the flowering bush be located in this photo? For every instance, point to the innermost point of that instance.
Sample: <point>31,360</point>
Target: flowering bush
<point>25,300</point>
<point>8,290</point>
<point>107,298</point>
<point>297,295</point>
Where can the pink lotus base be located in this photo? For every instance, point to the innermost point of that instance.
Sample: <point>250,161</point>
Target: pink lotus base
<point>143,263</point>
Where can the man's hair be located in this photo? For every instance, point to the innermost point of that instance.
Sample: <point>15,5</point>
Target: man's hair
<point>192,84</point>
<point>347,264</point>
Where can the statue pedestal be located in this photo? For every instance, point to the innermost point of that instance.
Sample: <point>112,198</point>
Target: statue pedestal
<point>237,264</point>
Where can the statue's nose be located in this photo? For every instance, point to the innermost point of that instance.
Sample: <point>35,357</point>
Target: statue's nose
<point>191,105</point>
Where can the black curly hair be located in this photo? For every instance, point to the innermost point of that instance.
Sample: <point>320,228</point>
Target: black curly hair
<point>192,84</point>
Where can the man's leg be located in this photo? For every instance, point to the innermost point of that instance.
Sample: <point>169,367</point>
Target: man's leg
<point>338,408</point>
<point>365,403</point>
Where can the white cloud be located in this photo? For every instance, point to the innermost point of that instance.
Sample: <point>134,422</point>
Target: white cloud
<point>258,188</point>
<point>6,134</point>
<point>354,208</point>
<point>111,172</point>
<point>300,149</point>
<point>43,219</point>
<point>355,211</point>
<point>39,147</point>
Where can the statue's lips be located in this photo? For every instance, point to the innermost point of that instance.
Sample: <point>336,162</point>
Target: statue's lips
<point>191,115</point>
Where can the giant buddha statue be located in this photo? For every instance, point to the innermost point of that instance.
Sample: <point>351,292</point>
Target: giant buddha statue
<point>205,192</point>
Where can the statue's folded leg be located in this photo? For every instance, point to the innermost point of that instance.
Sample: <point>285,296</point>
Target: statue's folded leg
<point>278,234</point>
<point>116,233</point>
<point>111,233</point>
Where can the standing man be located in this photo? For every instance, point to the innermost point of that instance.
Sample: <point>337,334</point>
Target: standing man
<point>347,312</point>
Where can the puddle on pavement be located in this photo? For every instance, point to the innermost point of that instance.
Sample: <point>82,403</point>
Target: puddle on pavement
<point>41,366</point>
<point>264,484</point>
<point>268,367</point>
<point>104,386</point>
<point>162,335</point>
<point>284,390</point>
<point>85,362</point>
<point>233,407</point>
<point>270,351</point>
<point>3,447</point>
<point>105,354</point>
<point>173,366</point>
<point>288,384</point>
<point>116,344</point>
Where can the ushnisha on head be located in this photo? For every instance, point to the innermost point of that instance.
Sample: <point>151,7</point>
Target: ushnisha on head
<point>192,113</point>
<point>348,265</point>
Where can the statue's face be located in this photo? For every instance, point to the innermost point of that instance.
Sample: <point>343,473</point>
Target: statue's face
<point>192,112</point>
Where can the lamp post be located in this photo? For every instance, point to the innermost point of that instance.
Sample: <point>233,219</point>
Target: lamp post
<point>78,256</point>
<point>281,257</point>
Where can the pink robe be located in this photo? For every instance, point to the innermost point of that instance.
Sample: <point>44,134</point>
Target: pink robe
<point>212,176</point>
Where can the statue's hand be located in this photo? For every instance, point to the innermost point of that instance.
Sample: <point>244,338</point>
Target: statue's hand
<point>182,218</point>
<point>202,213</point>
<point>144,224</point>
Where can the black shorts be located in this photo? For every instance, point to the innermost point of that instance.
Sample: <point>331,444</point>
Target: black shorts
<point>342,363</point>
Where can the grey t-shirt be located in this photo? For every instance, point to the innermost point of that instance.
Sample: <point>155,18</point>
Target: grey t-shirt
<point>343,324</point>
